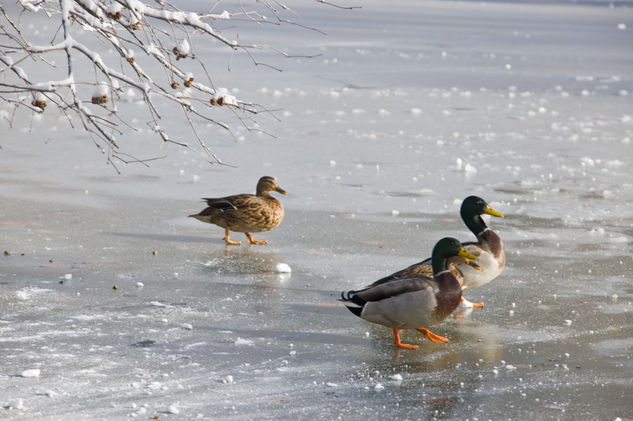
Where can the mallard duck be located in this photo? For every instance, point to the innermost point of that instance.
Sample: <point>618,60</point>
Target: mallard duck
<point>415,301</point>
<point>488,248</point>
<point>245,212</point>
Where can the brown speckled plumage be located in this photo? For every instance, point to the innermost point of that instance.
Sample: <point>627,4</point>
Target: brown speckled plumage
<point>245,212</point>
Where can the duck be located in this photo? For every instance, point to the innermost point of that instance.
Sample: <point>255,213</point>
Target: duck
<point>246,213</point>
<point>488,248</point>
<point>414,301</point>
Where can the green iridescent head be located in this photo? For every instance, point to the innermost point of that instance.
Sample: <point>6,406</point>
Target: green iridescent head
<point>446,248</point>
<point>472,209</point>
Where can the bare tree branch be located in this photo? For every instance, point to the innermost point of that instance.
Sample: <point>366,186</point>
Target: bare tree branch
<point>119,46</point>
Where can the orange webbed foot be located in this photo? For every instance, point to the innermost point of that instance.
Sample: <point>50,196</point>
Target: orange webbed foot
<point>399,344</point>
<point>432,336</point>
<point>467,304</point>
<point>228,241</point>
<point>252,241</point>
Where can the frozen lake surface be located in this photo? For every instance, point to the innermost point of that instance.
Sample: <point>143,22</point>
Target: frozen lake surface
<point>114,305</point>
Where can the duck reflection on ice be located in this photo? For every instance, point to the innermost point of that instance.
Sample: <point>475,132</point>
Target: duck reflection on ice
<point>440,377</point>
<point>472,342</point>
<point>255,265</point>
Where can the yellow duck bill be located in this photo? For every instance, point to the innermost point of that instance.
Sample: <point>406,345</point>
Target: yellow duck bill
<point>491,211</point>
<point>466,254</point>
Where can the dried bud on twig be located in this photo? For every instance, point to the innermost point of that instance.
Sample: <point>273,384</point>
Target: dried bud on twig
<point>175,85</point>
<point>115,16</point>
<point>222,97</point>
<point>100,100</point>
<point>188,80</point>
<point>114,11</point>
<point>135,24</point>
<point>182,50</point>
<point>100,95</point>
<point>39,101</point>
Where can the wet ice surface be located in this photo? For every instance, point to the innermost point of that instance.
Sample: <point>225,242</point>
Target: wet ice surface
<point>129,310</point>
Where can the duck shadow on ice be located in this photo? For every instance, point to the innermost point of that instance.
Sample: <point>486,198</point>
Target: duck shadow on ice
<point>253,336</point>
<point>470,340</point>
<point>162,237</point>
<point>226,260</point>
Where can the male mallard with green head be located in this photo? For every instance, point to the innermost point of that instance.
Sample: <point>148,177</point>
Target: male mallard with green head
<point>413,302</point>
<point>488,248</point>
<point>245,212</point>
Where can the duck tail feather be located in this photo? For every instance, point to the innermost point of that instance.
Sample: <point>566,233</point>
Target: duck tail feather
<point>355,310</point>
<point>351,297</point>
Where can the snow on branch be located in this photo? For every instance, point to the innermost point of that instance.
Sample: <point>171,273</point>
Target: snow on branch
<point>96,53</point>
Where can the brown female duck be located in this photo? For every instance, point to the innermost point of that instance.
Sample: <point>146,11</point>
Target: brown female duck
<point>245,212</point>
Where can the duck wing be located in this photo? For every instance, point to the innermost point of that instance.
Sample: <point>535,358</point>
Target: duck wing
<point>229,203</point>
<point>215,205</point>
<point>422,268</point>
<point>473,247</point>
<point>389,288</point>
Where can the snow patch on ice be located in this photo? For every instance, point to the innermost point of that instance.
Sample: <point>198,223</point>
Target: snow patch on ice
<point>31,373</point>
<point>15,404</point>
<point>469,168</point>
<point>282,268</point>
<point>396,378</point>
<point>28,292</point>
<point>244,342</point>
<point>173,409</point>
<point>159,304</point>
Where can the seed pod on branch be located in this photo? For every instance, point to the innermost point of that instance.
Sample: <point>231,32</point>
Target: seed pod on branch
<point>129,56</point>
<point>114,11</point>
<point>188,80</point>
<point>182,50</point>
<point>100,94</point>
<point>135,24</point>
<point>39,101</point>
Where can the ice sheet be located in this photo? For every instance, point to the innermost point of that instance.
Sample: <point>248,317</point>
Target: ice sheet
<point>411,107</point>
